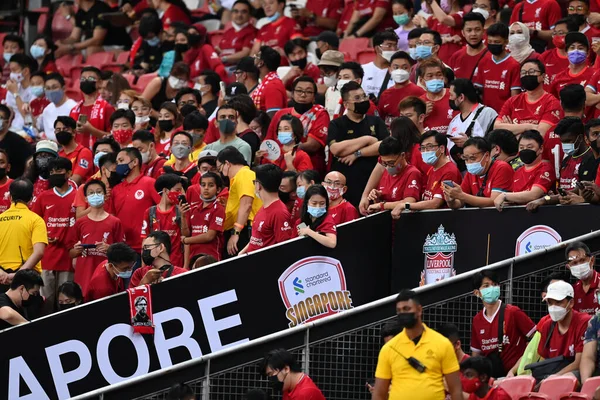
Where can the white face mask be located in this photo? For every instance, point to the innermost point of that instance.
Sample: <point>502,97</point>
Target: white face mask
<point>176,83</point>
<point>517,40</point>
<point>400,75</point>
<point>145,157</point>
<point>557,313</point>
<point>330,81</point>
<point>387,54</point>
<point>341,83</point>
<point>123,106</point>
<point>16,76</point>
<point>483,12</point>
<point>581,271</point>
<point>142,120</point>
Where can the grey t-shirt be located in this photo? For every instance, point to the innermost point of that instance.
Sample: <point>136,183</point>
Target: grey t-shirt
<point>238,143</point>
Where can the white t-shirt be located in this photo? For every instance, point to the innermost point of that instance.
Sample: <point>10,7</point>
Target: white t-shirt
<point>481,126</point>
<point>373,79</point>
<point>45,122</point>
<point>11,102</point>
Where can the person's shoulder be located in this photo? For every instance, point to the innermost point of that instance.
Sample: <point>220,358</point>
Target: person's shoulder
<point>500,167</point>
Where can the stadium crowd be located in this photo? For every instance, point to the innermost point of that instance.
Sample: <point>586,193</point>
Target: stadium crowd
<point>133,151</point>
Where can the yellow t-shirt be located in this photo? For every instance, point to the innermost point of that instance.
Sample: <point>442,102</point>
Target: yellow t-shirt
<point>433,350</point>
<point>20,228</point>
<point>241,185</point>
<point>193,155</point>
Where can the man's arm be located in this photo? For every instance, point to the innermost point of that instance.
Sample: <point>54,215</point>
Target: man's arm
<point>244,210</point>
<point>311,146</point>
<point>74,37</point>
<point>235,57</point>
<point>381,390</point>
<point>588,360</point>
<point>441,16</point>
<point>525,196</point>
<point>372,23</point>
<point>96,40</point>
<point>454,385</point>
<point>515,128</point>
<point>347,147</point>
<point>371,150</point>
<point>371,184</point>
<point>202,238</point>
<point>35,257</point>
<point>11,316</point>
<point>574,366</point>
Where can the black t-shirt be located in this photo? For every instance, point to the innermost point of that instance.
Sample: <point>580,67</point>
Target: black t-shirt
<point>588,167</point>
<point>250,137</point>
<point>90,20</point>
<point>210,107</point>
<point>358,173</point>
<point>5,301</point>
<point>18,152</point>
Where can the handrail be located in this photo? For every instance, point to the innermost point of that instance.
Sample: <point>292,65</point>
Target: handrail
<point>326,320</point>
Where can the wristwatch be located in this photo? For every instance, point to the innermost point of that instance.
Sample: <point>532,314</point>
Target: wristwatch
<point>407,206</point>
<point>547,199</point>
<point>235,233</point>
<point>358,154</point>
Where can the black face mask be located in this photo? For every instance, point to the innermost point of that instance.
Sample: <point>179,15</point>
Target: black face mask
<point>318,53</point>
<point>33,299</point>
<point>275,384</point>
<point>529,82</point>
<point>594,146</point>
<point>194,39</point>
<point>301,108</point>
<point>579,19</point>
<point>301,63</point>
<point>166,125</point>
<point>362,107</point>
<point>496,49</point>
<point>284,197</point>
<point>453,105</point>
<point>87,87</point>
<point>407,320</point>
<point>167,45</point>
<point>527,156</point>
<point>2,173</point>
<point>475,46</point>
<point>147,257</point>
<point>64,137</point>
<point>62,307</point>
<point>114,179</point>
<point>57,180</point>
<point>182,47</point>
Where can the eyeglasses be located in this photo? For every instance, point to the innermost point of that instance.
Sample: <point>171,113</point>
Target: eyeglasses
<point>333,184</point>
<point>304,92</point>
<point>57,130</point>
<point>578,8</point>
<point>89,79</point>
<point>429,147</point>
<point>389,164</point>
<point>531,72</point>
<point>472,158</point>
<point>150,246</point>
<point>388,46</point>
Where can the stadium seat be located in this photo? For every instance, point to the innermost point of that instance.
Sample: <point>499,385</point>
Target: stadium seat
<point>144,80</point>
<point>215,38</point>
<point>211,25</point>
<point>354,46</point>
<point>365,56</point>
<point>67,62</point>
<point>99,59</point>
<point>535,396</point>
<point>74,94</point>
<point>118,66</point>
<point>556,385</point>
<point>587,390</point>
<point>518,385</point>
<point>75,75</point>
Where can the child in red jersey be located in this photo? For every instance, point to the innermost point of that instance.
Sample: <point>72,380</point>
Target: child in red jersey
<point>315,221</point>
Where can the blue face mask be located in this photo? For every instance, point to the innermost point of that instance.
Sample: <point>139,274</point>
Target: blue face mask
<point>285,137</point>
<point>7,56</point>
<point>429,157</point>
<point>95,200</point>
<point>97,158</point>
<point>577,56</point>
<point>316,212</point>
<point>125,275</point>
<point>423,52</point>
<point>490,294</point>
<point>36,51</point>
<point>274,17</point>
<point>434,85</point>
<point>413,53</point>
<point>301,191</point>
<point>475,168</point>
<point>123,170</point>
<point>37,91</point>
<point>155,41</point>
<point>393,170</point>
<point>55,96</point>
<point>568,148</point>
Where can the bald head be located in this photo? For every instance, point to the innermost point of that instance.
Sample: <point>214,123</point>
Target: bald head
<point>335,177</point>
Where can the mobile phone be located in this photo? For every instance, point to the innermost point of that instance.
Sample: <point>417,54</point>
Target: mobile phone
<point>82,119</point>
<point>88,246</point>
<point>222,86</point>
<point>182,199</point>
<point>562,192</point>
<point>165,267</point>
<point>448,183</point>
<point>580,185</point>
<point>302,226</point>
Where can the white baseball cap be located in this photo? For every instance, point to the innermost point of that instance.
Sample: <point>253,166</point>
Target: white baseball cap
<point>559,291</point>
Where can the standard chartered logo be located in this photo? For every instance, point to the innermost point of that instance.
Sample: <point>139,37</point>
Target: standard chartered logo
<point>317,279</point>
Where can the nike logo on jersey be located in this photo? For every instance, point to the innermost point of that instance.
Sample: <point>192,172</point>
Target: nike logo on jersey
<point>49,207</point>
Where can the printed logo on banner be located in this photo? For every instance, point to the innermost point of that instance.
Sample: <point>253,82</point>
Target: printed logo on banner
<point>313,288</point>
<point>439,249</point>
<point>536,238</point>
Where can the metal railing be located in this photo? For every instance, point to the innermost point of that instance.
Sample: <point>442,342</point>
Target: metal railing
<point>340,352</point>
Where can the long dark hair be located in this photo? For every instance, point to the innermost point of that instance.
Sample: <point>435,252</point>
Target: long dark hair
<point>51,46</point>
<point>305,216</point>
<point>403,129</point>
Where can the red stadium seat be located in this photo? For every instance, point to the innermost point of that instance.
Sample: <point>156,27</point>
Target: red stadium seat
<point>66,63</point>
<point>556,385</point>
<point>99,59</point>
<point>74,94</point>
<point>75,75</point>
<point>366,56</point>
<point>587,390</point>
<point>130,78</point>
<point>535,396</point>
<point>215,38</point>
<point>354,46</point>
<point>144,80</point>
<point>119,65</point>
<point>347,56</point>
<point>518,385</point>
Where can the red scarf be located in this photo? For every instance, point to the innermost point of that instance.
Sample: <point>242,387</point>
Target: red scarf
<point>140,308</point>
<point>310,116</point>
<point>258,92</point>
<point>96,118</point>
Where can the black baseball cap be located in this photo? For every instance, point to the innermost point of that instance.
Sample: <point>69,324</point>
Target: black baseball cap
<point>328,37</point>
<point>246,64</point>
<point>576,37</point>
<point>234,89</point>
